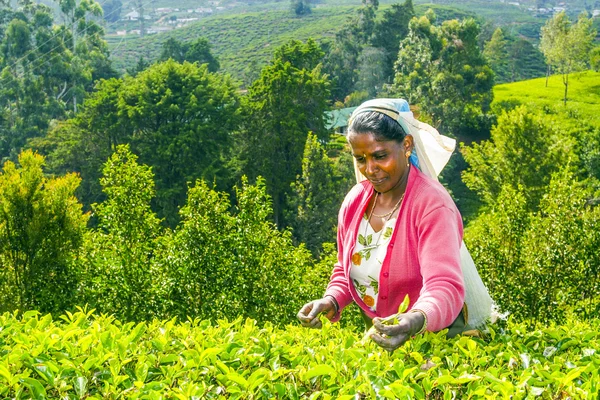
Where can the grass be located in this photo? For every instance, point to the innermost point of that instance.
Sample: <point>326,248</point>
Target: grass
<point>583,97</point>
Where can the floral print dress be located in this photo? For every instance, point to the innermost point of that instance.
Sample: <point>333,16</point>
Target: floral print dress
<point>368,256</point>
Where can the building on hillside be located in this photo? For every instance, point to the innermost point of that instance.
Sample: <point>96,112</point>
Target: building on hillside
<point>595,13</point>
<point>132,16</point>
<point>337,120</point>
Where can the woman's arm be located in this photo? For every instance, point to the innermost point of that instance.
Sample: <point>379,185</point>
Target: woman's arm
<point>443,293</point>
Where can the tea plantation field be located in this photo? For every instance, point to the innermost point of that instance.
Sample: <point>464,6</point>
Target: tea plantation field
<point>247,40</point>
<point>582,99</point>
<point>84,355</point>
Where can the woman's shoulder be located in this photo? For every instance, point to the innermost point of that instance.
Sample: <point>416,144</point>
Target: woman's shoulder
<point>357,193</point>
<point>431,194</point>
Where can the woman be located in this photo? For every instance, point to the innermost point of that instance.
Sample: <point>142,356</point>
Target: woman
<point>399,232</point>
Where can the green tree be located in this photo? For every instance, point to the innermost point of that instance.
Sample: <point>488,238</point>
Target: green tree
<point>177,117</point>
<point>524,150</point>
<point>389,31</point>
<point>567,46</point>
<point>230,264</point>
<point>301,7</point>
<point>112,10</point>
<point>496,52</point>
<point>595,59</point>
<point>316,197</point>
<point>282,106</point>
<point>441,69</point>
<point>119,275</point>
<point>52,66</point>
<point>41,231</point>
<point>196,51</point>
<point>540,265</point>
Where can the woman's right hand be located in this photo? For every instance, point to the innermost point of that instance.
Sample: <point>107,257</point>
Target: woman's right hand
<point>309,313</point>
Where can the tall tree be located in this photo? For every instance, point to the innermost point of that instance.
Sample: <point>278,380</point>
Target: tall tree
<point>441,69</point>
<point>196,51</point>
<point>390,30</point>
<point>496,52</point>
<point>286,102</point>
<point>177,117</point>
<point>567,46</point>
<point>316,197</point>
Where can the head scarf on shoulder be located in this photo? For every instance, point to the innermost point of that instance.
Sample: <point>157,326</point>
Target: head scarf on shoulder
<point>430,155</point>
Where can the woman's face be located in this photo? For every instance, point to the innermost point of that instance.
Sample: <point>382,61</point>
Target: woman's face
<point>382,163</point>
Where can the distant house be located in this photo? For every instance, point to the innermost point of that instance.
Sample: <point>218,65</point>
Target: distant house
<point>595,13</point>
<point>514,3</point>
<point>337,120</point>
<point>203,11</point>
<point>559,9</point>
<point>132,16</point>
<point>121,33</point>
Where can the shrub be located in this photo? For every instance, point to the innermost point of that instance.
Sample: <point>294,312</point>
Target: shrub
<point>95,357</point>
<point>41,230</point>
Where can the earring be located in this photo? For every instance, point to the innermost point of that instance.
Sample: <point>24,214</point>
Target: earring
<point>407,158</point>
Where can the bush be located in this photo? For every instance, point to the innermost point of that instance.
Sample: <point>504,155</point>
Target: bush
<point>230,264</point>
<point>41,230</point>
<point>97,357</point>
<point>541,265</point>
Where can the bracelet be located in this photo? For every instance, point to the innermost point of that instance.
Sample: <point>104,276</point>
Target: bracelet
<point>424,328</point>
<point>335,304</point>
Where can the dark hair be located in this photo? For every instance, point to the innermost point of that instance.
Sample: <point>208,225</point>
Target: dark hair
<point>380,125</point>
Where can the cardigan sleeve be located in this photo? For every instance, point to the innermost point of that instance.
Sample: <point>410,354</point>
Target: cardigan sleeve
<point>338,283</point>
<point>442,295</point>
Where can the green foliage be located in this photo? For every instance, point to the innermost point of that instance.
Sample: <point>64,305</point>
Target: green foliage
<point>496,52</point>
<point>196,51</point>
<point>300,7</point>
<point>177,117</point>
<point>228,265</point>
<point>282,106</point>
<point>595,58</point>
<point>390,30</point>
<point>441,69</point>
<point>565,46</point>
<point>118,273</point>
<point>316,197</point>
<point>95,357</point>
<point>41,231</point>
<point>540,265</point>
<point>112,10</point>
<point>524,150</point>
<point>46,67</point>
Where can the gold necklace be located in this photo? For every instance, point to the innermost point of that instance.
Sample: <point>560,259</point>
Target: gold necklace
<point>389,213</point>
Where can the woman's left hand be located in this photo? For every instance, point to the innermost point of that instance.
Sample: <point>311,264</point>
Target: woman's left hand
<point>390,337</point>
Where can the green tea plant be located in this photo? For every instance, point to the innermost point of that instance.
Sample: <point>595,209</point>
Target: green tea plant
<point>85,355</point>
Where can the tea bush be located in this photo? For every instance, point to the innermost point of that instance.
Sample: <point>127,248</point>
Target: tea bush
<point>84,355</point>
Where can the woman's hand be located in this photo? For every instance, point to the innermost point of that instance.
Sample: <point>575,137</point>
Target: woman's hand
<point>309,314</point>
<point>390,337</point>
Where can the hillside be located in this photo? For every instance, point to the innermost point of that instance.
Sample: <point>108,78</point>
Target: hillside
<point>583,95</point>
<point>247,40</point>
<point>237,40</point>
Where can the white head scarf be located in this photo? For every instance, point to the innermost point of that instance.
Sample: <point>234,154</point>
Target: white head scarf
<point>431,153</point>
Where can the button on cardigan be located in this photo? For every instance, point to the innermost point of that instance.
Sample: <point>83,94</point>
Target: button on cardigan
<point>423,257</point>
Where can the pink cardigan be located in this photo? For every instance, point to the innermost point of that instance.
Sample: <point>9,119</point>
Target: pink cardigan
<point>423,257</point>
